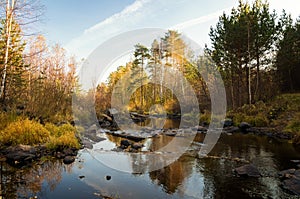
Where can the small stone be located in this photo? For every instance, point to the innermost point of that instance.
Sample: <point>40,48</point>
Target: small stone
<point>244,125</point>
<point>81,177</point>
<point>137,146</point>
<point>108,177</point>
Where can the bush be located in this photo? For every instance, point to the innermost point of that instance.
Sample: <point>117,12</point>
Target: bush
<point>6,118</point>
<point>24,132</point>
<point>67,140</point>
<point>62,136</point>
<point>30,132</point>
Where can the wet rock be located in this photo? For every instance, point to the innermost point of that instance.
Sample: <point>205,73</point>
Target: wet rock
<point>227,122</point>
<point>132,150</point>
<point>87,144</point>
<point>231,129</point>
<point>108,177</point>
<point>170,133</point>
<point>125,143</point>
<point>137,146</point>
<point>69,159</point>
<point>69,152</point>
<point>135,138</point>
<point>20,155</point>
<point>93,137</point>
<point>286,173</point>
<point>244,126</point>
<point>248,170</point>
<point>293,185</point>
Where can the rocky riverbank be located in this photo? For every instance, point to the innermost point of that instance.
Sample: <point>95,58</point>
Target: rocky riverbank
<point>24,155</point>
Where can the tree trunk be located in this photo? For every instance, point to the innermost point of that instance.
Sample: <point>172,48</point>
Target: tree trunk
<point>8,24</point>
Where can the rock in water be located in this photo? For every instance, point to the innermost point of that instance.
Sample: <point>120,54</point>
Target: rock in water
<point>228,122</point>
<point>248,170</point>
<point>125,143</point>
<point>108,177</point>
<point>244,125</point>
<point>69,159</point>
<point>292,185</point>
<point>137,146</point>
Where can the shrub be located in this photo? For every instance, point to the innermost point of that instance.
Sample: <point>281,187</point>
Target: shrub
<point>62,136</point>
<point>6,118</point>
<point>24,132</point>
<point>293,126</point>
<point>66,140</point>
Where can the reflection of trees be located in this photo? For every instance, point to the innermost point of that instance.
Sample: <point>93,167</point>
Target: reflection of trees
<point>172,176</point>
<point>19,183</point>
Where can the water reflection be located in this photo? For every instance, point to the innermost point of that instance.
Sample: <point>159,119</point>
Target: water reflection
<point>27,182</point>
<point>187,177</point>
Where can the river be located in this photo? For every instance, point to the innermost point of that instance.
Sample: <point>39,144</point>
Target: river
<point>187,177</point>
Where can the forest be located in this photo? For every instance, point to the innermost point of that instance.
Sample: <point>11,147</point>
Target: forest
<point>255,50</point>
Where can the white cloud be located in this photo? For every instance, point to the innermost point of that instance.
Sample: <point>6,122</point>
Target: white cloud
<point>127,12</point>
<point>200,20</point>
<point>141,14</point>
<point>115,24</point>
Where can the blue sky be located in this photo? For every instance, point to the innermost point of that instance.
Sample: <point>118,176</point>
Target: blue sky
<point>80,26</point>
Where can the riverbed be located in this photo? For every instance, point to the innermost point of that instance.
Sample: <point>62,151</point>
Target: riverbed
<point>190,176</point>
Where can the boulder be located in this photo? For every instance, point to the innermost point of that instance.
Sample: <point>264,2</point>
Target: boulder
<point>20,155</point>
<point>248,170</point>
<point>69,159</point>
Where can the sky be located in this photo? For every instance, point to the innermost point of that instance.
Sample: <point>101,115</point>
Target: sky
<point>80,26</point>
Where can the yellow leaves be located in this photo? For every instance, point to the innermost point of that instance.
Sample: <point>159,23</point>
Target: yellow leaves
<point>29,132</point>
<point>24,132</point>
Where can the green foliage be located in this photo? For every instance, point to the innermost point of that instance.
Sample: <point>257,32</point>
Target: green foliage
<point>288,59</point>
<point>24,132</point>
<point>242,40</point>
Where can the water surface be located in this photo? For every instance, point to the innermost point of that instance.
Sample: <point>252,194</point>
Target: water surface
<point>188,177</point>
